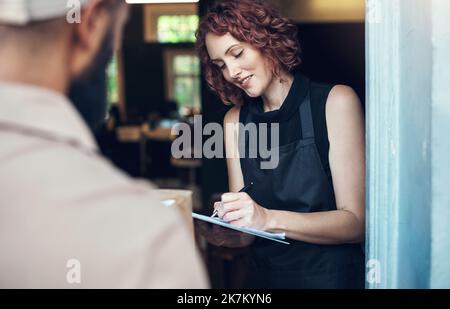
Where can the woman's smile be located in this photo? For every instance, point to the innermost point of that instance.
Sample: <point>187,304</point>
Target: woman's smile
<point>245,83</point>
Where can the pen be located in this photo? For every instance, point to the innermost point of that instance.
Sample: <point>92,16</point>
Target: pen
<point>244,189</point>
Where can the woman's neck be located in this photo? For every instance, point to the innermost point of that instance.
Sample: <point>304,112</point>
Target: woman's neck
<point>277,92</point>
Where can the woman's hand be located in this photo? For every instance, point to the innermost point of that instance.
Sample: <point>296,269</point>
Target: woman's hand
<point>239,209</point>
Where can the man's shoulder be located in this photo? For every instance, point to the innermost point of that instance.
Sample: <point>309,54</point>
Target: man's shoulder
<point>65,174</point>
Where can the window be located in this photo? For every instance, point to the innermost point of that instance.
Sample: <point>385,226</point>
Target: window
<point>170,22</point>
<point>183,80</point>
<point>175,25</point>
<point>114,86</point>
<point>112,82</point>
<point>177,29</point>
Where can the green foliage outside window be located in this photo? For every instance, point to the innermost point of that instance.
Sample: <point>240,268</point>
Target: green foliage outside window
<point>112,82</point>
<point>186,65</point>
<point>186,68</point>
<point>177,28</point>
<point>187,82</point>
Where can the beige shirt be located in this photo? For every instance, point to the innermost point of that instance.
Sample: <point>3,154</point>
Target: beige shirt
<point>68,218</point>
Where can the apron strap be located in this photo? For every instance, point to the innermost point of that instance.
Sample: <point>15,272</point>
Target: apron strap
<point>306,118</point>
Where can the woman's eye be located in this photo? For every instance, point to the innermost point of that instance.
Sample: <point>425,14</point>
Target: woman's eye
<point>222,67</point>
<point>240,54</point>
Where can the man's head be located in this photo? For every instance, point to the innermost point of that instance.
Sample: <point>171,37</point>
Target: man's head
<point>44,44</point>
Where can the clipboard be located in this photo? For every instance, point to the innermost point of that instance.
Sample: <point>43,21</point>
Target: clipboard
<point>278,237</point>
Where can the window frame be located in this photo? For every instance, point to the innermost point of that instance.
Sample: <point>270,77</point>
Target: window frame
<point>170,76</point>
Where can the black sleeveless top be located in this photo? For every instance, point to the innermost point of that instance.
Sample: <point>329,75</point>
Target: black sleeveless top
<point>301,182</point>
<point>287,115</point>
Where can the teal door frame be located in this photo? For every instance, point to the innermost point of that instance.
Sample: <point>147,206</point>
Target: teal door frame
<point>408,143</point>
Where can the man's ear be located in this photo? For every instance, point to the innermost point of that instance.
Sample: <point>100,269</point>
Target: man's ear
<point>87,36</point>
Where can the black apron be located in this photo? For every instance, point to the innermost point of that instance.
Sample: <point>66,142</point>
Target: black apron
<point>298,184</point>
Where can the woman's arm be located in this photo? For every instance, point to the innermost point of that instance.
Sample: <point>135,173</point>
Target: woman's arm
<point>231,128</point>
<point>347,161</point>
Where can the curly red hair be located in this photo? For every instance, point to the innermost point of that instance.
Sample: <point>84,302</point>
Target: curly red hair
<point>253,22</point>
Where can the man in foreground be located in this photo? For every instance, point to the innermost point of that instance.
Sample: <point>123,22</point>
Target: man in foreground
<point>68,218</point>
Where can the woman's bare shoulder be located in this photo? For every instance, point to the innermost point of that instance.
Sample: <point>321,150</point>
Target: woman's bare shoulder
<point>342,96</point>
<point>343,104</point>
<point>344,116</point>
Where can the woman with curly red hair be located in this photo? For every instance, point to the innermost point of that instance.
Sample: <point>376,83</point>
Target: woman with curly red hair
<point>315,195</point>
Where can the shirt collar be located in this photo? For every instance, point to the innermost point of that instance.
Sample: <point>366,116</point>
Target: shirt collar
<point>43,113</point>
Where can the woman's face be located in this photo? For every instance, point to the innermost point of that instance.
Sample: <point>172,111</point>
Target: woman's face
<point>240,63</point>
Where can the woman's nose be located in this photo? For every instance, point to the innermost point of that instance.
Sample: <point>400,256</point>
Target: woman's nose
<point>235,71</point>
